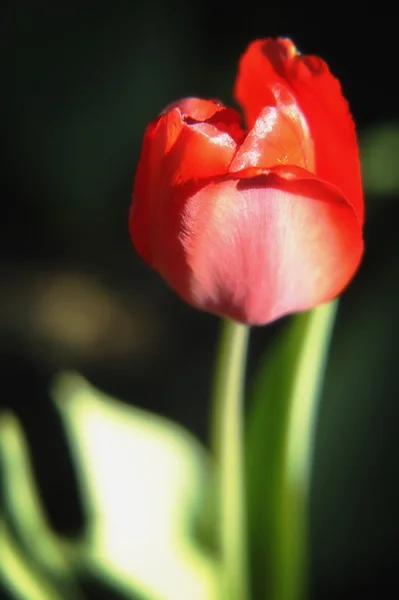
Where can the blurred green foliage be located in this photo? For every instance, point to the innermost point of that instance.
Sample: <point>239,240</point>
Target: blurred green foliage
<point>379,156</point>
<point>143,481</point>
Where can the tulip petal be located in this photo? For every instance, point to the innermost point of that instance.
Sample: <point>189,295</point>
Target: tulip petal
<point>279,136</point>
<point>263,247</point>
<point>178,151</point>
<point>318,94</point>
<point>195,108</point>
<point>202,150</point>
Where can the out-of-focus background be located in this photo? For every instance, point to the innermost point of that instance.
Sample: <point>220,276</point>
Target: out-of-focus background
<point>80,81</point>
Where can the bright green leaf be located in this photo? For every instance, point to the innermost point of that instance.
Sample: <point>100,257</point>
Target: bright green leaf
<point>19,576</point>
<point>48,555</point>
<point>143,481</point>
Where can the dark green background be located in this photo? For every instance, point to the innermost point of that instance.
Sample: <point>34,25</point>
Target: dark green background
<point>80,80</point>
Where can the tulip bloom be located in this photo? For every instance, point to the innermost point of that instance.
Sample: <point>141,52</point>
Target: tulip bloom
<point>258,222</point>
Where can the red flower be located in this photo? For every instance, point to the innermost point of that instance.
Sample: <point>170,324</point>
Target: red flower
<point>254,224</point>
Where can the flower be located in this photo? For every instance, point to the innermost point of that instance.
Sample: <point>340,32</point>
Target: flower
<point>256,223</point>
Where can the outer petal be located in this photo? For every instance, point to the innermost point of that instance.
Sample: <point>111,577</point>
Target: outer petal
<point>269,62</point>
<point>177,152</point>
<point>260,248</point>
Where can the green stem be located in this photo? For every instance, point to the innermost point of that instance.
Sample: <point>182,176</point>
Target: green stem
<point>303,403</point>
<point>228,446</point>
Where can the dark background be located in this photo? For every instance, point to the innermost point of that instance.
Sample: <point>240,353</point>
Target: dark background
<point>80,81</point>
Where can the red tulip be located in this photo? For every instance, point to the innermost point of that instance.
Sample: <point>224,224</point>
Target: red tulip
<point>255,223</point>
